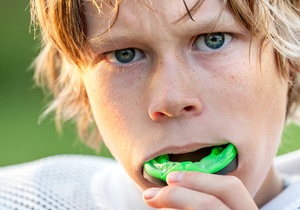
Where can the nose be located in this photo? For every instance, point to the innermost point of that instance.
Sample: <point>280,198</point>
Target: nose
<point>174,93</point>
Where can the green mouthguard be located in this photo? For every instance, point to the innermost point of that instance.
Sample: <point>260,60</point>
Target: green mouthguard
<point>219,158</point>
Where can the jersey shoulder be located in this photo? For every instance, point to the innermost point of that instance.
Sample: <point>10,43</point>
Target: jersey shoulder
<point>58,182</point>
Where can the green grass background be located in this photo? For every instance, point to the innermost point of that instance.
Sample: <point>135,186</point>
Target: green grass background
<point>22,138</point>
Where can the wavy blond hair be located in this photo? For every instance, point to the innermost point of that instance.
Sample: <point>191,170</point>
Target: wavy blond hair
<point>65,51</point>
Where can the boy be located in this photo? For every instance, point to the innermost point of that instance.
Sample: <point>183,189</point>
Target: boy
<point>176,78</point>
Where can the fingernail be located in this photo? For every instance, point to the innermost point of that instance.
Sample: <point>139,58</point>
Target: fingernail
<point>175,177</point>
<point>151,193</point>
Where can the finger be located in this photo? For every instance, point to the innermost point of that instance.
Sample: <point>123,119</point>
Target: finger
<point>176,197</point>
<point>229,189</point>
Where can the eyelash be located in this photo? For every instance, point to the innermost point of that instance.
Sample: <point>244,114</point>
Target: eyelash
<point>131,55</point>
<point>225,44</point>
<point>111,55</point>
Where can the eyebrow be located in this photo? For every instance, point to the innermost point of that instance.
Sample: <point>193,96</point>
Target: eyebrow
<point>105,41</point>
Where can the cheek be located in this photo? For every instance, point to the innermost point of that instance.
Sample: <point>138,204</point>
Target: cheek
<point>106,109</point>
<point>116,110</point>
<point>260,116</point>
<point>249,103</point>
<point>257,91</point>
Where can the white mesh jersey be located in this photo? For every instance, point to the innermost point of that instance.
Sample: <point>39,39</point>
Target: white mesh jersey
<point>77,182</point>
<point>288,199</point>
<point>68,182</point>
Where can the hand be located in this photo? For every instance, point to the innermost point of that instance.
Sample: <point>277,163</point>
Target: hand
<point>194,190</point>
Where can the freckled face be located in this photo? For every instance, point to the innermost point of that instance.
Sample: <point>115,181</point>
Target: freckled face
<point>162,86</point>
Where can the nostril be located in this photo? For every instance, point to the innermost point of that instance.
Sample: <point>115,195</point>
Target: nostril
<point>188,108</point>
<point>158,114</point>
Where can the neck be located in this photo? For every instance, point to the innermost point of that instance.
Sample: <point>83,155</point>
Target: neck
<point>271,187</point>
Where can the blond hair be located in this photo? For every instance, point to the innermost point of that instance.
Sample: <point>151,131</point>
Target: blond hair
<point>65,51</point>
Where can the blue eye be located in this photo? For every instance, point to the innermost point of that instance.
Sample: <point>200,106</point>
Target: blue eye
<point>212,42</point>
<point>125,56</point>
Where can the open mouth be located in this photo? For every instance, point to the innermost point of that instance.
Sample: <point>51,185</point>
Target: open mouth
<point>195,156</point>
<point>214,160</point>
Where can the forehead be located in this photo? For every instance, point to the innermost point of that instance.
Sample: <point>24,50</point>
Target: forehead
<point>100,15</point>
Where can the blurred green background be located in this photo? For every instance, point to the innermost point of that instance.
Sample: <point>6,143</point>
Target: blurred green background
<point>21,137</point>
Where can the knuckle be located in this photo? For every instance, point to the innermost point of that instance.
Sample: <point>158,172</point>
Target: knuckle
<point>228,184</point>
<point>233,181</point>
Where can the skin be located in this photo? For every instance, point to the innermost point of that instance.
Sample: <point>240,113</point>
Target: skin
<point>178,96</point>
